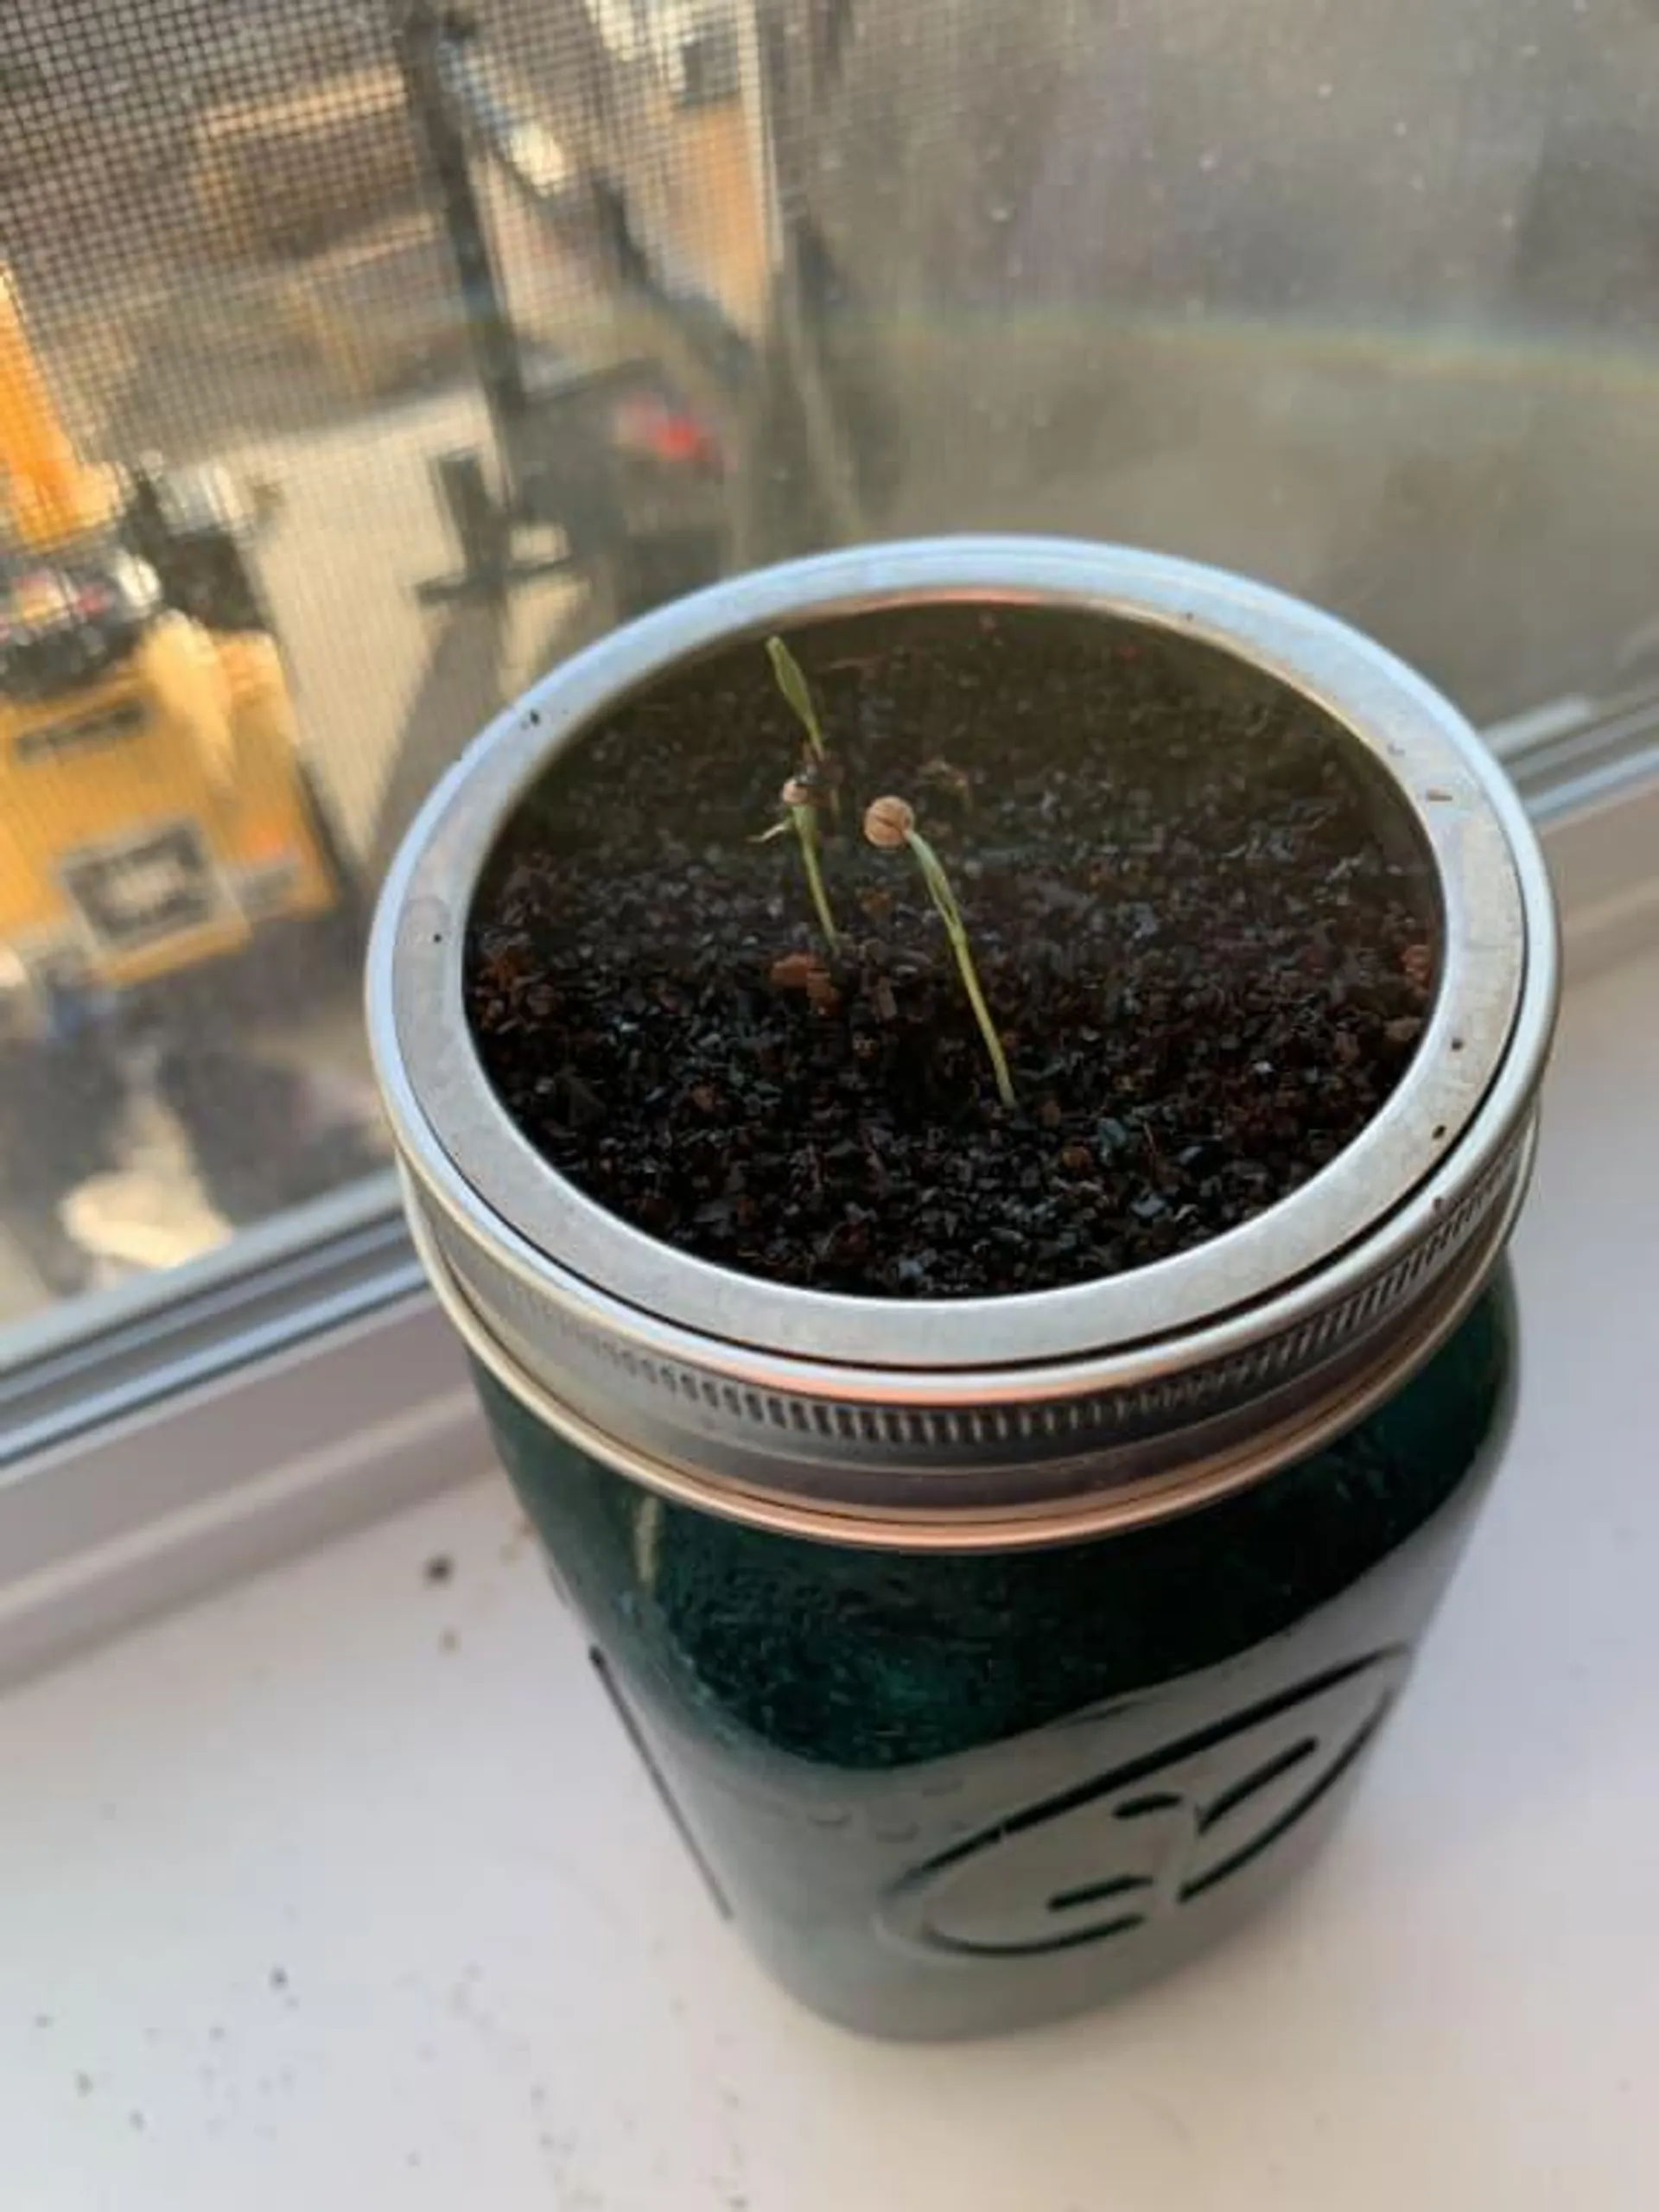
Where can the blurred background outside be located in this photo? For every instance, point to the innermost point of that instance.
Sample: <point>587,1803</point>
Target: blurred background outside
<point>359,359</point>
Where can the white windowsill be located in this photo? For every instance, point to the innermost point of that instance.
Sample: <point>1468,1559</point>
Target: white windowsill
<point>342,1888</point>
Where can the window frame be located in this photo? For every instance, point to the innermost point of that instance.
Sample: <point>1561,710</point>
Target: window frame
<point>301,1382</point>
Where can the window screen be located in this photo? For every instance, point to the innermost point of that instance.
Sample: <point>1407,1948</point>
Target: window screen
<point>359,359</point>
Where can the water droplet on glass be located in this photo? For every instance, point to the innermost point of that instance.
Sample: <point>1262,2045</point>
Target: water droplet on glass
<point>1209,160</point>
<point>1325,89</point>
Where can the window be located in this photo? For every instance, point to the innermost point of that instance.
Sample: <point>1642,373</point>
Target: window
<point>360,358</point>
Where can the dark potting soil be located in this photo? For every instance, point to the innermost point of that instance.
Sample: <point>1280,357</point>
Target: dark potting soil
<point>1207,937</point>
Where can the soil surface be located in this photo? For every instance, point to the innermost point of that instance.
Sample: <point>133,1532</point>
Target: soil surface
<point>1206,937</point>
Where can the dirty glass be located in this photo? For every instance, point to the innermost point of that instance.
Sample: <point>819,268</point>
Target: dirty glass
<point>359,359</point>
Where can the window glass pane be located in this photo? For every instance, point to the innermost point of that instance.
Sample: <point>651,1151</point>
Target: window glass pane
<point>360,358</point>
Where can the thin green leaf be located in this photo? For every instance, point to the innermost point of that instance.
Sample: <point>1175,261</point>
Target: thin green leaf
<point>944,899</point>
<point>791,681</point>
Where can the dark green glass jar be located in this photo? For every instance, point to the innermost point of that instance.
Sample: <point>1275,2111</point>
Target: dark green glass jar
<point>943,1793</point>
<point>995,1653</point>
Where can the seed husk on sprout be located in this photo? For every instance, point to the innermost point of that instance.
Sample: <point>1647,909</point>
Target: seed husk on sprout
<point>889,823</point>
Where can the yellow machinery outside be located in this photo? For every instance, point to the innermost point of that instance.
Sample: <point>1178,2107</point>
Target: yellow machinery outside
<point>155,811</point>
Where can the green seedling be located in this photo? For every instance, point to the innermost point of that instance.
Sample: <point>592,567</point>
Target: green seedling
<point>890,822</point>
<point>801,815</point>
<point>797,693</point>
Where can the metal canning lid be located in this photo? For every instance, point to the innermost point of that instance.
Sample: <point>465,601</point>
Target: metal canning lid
<point>981,1422</point>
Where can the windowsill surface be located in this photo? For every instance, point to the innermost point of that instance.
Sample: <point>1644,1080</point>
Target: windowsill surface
<point>342,1888</point>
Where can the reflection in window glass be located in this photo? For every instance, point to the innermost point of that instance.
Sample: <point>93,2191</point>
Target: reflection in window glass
<point>360,358</point>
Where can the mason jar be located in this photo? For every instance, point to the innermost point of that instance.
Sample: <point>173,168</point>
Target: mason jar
<point>993,1654</point>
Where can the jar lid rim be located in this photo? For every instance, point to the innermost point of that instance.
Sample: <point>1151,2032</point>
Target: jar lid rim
<point>521,1239</point>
